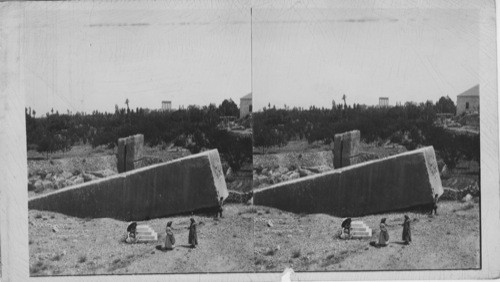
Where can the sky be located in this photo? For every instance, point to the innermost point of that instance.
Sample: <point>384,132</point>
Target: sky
<point>89,59</point>
<point>305,57</point>
<point>93,59</point>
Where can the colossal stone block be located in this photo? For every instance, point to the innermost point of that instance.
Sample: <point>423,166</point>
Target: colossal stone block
<point>346,149</point>
<point>183,185</point>
<point>394,183</point>
<point>130,151</point>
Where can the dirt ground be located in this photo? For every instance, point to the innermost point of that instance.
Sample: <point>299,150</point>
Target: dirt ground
<point>250,238</point>
<point>243,241</point>
<point>449,240</point>
<point>95,246</point>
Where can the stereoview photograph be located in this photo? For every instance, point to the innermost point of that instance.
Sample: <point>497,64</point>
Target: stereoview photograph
<point>366,139</point>
<point>248,139</point>
<point>139,139</point>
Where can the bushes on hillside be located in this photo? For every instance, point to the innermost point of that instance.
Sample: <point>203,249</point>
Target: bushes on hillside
<point>410,125</point>
<point>194,128</point>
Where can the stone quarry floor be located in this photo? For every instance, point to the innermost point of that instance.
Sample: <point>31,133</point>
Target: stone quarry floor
<point>244,241</point>
<point>310,243</point>
<point>94,246</point>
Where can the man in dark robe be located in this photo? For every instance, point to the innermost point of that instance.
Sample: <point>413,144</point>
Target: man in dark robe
<point>193,237</point>
<point>220,209</point>
<point>406,230</point>
<point>435,205</point>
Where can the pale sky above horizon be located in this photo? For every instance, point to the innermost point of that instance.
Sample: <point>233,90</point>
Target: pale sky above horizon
<point>92,59</point>
<point>88,59</point>
<point>305,57</point>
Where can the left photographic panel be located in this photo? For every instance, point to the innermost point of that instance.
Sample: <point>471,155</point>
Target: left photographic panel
<point>139,139</point>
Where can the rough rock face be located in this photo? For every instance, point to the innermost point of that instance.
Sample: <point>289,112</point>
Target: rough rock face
<point>279,174</point>
<point>346,149</point>
<point>183,185</point>
<point>393,183</point>
<point>130,151</point>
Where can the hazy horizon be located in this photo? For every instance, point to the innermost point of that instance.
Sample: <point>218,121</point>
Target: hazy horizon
<point>96,58</point>
<point>93,59</point>
<point>305,57</point>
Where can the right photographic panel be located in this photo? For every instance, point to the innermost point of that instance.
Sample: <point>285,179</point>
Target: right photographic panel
<point>366,139</point>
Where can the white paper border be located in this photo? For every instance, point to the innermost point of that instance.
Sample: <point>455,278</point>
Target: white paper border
<point>14,216</point>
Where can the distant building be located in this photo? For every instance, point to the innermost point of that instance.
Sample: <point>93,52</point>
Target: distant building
<point>245,105</point>
<point>383,102</point>
<point>166,105</point>
<point>468,101</point>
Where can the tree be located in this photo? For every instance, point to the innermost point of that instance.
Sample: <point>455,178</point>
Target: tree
<point>446,105</point>
<point>228,108</point>
<point>128,109</point>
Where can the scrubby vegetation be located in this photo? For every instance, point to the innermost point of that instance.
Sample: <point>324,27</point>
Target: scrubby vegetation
<point>195,128</point>
<point>410,125</point>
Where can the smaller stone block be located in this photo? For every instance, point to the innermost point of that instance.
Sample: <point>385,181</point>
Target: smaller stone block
<point>360,230</point>
<point>130,152</point>
<point>146,234</point>
<point>346,148</point>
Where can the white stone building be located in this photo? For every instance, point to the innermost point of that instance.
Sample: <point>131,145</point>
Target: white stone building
<point>246,105</point>
<point>468,101</point>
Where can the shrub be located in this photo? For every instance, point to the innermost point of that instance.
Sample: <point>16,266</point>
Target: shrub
<point>38,267</point>
<point>82,258</point>
<point>296,254</point>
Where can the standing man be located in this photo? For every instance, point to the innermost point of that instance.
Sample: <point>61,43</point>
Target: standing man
<point>435,206</point>
<point>406,231</point>
<point>193,237</point>
<point>220,208</point>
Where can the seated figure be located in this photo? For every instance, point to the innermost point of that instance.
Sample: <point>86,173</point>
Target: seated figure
<point>346,229</point>
<point>132,232</point>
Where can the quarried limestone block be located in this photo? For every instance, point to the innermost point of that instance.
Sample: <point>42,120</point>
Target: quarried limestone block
<point>183,185</point>
<point>394,183</point>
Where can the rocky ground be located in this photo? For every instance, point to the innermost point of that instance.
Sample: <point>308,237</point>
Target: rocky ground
<point>287,165</point>
<point>254,239</point>
<point>82,164</point>
<point>250,238</point>
<point>310,242</point>
<point>62,245</point>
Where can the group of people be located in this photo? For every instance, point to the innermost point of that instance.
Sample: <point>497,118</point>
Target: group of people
<point>170,238</point>
<point>383,238</point>
<point>192,237</point>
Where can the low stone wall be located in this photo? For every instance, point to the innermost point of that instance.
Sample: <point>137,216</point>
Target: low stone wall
<point>397,182</point>
<point>183,185</point>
